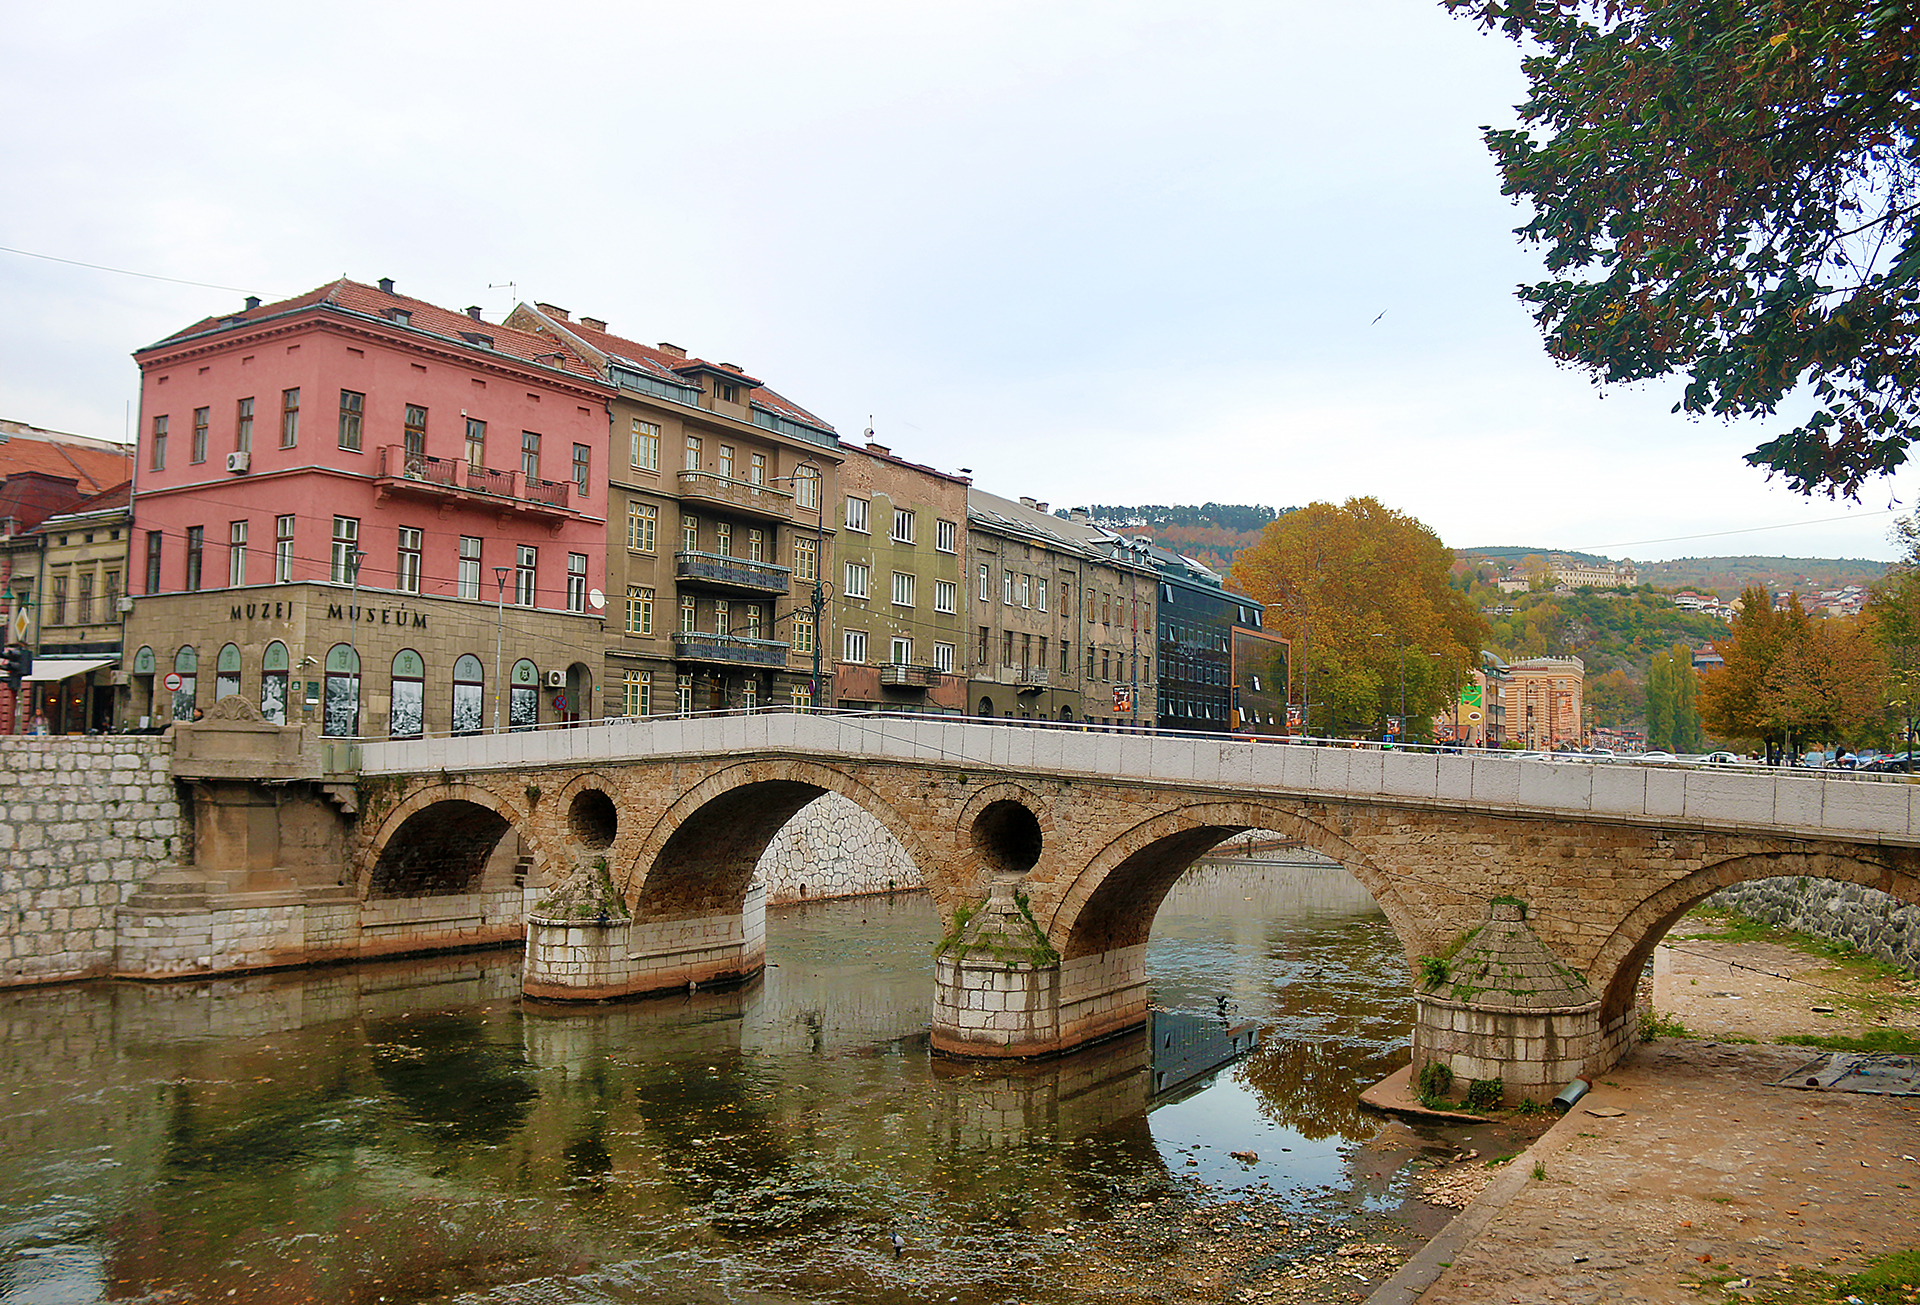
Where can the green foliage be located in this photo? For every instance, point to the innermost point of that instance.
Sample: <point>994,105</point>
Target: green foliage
<point>1539,1171</point>
<point>1726,190</point>
<point>1654,1026</point>
<point>1790,680</point>
<point>1875,1042</point>
<point>1673,719</point>
<point>1436,1081</point>
<point>1727,576</point>
<point>1527,1107</point>
<point>1485,1094</point>
<point>1433,971</point>
<point>1228,516</point>
<point>1608,629</point>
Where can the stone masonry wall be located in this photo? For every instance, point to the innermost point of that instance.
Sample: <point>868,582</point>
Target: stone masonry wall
<point>1863,918</point>
<point>83,821</point>
<point>833,849</point>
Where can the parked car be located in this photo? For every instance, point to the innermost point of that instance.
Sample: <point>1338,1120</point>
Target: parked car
<point>1725,759</point>
<point>1656,759</point>
<point>1894,763</point>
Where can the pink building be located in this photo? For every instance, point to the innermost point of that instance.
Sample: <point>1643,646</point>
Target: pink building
<point>367,486</point>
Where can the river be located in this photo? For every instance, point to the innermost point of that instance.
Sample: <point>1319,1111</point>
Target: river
<point>413,1131</point>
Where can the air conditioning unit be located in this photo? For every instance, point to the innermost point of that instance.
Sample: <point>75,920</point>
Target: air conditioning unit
<point>239,461</point>
<point>126,604</point>
<point>556,679</point>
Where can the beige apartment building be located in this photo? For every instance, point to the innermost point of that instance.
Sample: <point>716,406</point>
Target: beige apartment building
<point>1062,620</point>
<point>721,531</point>
<point>82,612</point>
<point>900,602</point>
<point>1540,701</point>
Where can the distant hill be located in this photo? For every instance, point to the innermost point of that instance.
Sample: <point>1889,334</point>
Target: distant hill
<point>1727,576</point>
<point>1210,533</point>
<point>1511,553</point>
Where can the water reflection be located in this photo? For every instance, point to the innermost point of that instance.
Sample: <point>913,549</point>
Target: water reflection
<point>413,1131</point>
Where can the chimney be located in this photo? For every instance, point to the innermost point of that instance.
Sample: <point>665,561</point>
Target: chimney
<point>671,350</point>
<point>473,311</point>
<point>1078,516</point>
<point>593,322</point>
<point>1039,507</point>
<point>386,285</point>
<point>875,446</point>
<point>1026,502</point>
<point>253,302</point>
<point>553,311</point>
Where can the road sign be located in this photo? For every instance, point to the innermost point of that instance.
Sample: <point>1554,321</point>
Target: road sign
<point>172,681</point>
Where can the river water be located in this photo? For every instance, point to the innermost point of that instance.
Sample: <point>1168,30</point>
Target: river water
<point>413,1131</point>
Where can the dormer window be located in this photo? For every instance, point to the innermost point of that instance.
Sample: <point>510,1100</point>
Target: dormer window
<point>401,316</point>
<point>726,390</point>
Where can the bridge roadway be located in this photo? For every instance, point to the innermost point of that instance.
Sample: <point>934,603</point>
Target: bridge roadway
<point>1527,894</point>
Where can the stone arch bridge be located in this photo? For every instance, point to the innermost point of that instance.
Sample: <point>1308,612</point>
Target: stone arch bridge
<point>1527,895</point>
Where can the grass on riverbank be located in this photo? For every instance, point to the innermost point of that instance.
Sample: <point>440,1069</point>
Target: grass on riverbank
<point>1881,984</point>
<point>1891,1279</point>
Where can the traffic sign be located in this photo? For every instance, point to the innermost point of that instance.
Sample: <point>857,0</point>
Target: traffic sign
<point>173,681</point>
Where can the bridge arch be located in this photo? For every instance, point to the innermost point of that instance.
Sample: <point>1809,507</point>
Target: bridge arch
<point>698,856</point>
<point>439,840</point>
<point>1623,956</point>
<point>1112,902</point>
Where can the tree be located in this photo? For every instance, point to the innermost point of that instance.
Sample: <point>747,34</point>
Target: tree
<point>1789,679</point>
<point>1673,720</point>
<point>1893,617</point>
<point>1362,591</point>
<point>1727,189</point>
<point>1732,700</point>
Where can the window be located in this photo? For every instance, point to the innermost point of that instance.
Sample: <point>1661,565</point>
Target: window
<point>200,416</point>
<point>946,536</point>
<point>1066,656</point>
<point>645,453</point>
<point>526,565</point>
<point>753,620</point>
<point>468,683</point>
<point>903,525</point>
<point>857,515</point>
<point>900,651</point>
<point>352,405</point>
<point>1026,590</point>
<point>576,582</point>
<point>406,574</point>
<point>243,427</point>
<point>806,487</point>
<point>346,540</point>
<point>980,646</point>
<point>803,695</point>
<point>945,595</point>
<point>806,559</point>
<point>689,534</point>
<point>1006,648</point>
<point>750,694</point>
<point>289,418</point>
<point>943,657</point>
<point>469,566</point>
<point>159,443</point>
<point>196,547</point>
<point>726,461</point>
<point>153,561</point>
<point>582,468</point>
<point>692,462</point>
<point>683,695</point>
<point>476,445</point>
<point>856,580</point>
<point>1040,593</point>
<point>803,633</point>
<point>85,600</point>
<point>413,432</point>
<point>236,554</point>
<point>407,717</point>
<point>112,596</point>
<point>725,390</point>
<point>1006,587</point>
<point>529,456</point>
<point>643,519</point>
<point>757,469</point>
<point>58,602</point>
<point>687,614</point>
<point>986,583</point>
<point>903,588</point>
<point>636,693</point>
<point>722,616</point>
<point>856,646</point>
<point>756,546</point>
<point>723,538</point>
<point>639,611</point>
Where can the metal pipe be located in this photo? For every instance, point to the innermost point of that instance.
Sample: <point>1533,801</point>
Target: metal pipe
<point>1572,1092</point>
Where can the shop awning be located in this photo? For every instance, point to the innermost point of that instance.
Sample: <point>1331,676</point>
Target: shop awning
<point>49,669</point>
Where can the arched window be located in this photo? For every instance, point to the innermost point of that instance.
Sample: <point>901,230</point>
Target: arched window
<point>469,683</point>
<point>340,708</point>
<point>407,719</point>
<point>226,675</point>
<point>1066,713</point>
<point>523,701</point>
<point>186,664</point>
<point>986,706</point>
<point>273,683</point>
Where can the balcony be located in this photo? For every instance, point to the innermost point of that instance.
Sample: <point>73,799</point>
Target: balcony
<point>732,574</point>
<point>728,649</point>
<point>742,496</point>
<point>451,480</point>
<point>903,675</point>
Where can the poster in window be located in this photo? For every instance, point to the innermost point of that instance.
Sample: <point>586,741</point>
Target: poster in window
<point>466,709</point>
<point>183,697</point>
<point>341,715</point>
<point>523,708</point>
<point>273,697</point>
<point>408,705</point>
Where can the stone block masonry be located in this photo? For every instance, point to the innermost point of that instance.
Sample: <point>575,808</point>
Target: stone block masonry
<point>84,821</point>
<point>1863,918</point>
<point>834,849</point>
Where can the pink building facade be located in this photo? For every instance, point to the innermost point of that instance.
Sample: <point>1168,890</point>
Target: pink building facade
<point>361,510</point>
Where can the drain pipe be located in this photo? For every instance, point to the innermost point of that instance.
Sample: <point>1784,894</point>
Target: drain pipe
<point>1572,1092</point>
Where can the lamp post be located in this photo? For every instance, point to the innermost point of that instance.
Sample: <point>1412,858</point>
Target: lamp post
<point>354,559</point>
<point>499,628</point>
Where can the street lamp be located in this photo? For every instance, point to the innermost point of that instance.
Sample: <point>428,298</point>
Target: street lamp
<point>354,559</point>
<point>499,627</point>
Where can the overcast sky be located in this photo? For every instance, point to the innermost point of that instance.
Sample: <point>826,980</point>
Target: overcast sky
<point>1099,253</point>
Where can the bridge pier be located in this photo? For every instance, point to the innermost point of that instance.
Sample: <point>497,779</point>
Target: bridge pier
<point>1001,991</point>
<point>1501,1006</point>
<point>576,958</point>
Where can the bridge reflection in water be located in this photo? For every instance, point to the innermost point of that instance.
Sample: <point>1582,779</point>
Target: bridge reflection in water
<point>416,1126</point>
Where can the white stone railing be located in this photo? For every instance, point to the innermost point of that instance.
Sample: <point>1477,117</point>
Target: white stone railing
<point>1796,803</point>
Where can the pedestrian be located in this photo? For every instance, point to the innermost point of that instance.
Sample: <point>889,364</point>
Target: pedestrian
<point>39,725</point>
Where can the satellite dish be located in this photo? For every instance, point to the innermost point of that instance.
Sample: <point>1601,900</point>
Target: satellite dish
<point>598,599</point>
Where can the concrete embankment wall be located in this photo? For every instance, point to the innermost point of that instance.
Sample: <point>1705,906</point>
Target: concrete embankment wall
<point>1863,918</point>
<point>834,849</point>
<point>83,823</point>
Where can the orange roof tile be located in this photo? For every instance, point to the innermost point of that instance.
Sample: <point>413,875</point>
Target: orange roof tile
<point>94,464</point>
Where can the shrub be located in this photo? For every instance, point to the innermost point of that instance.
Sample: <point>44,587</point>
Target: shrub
<point>1485,1093</point>
<point>1436,1080</point>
